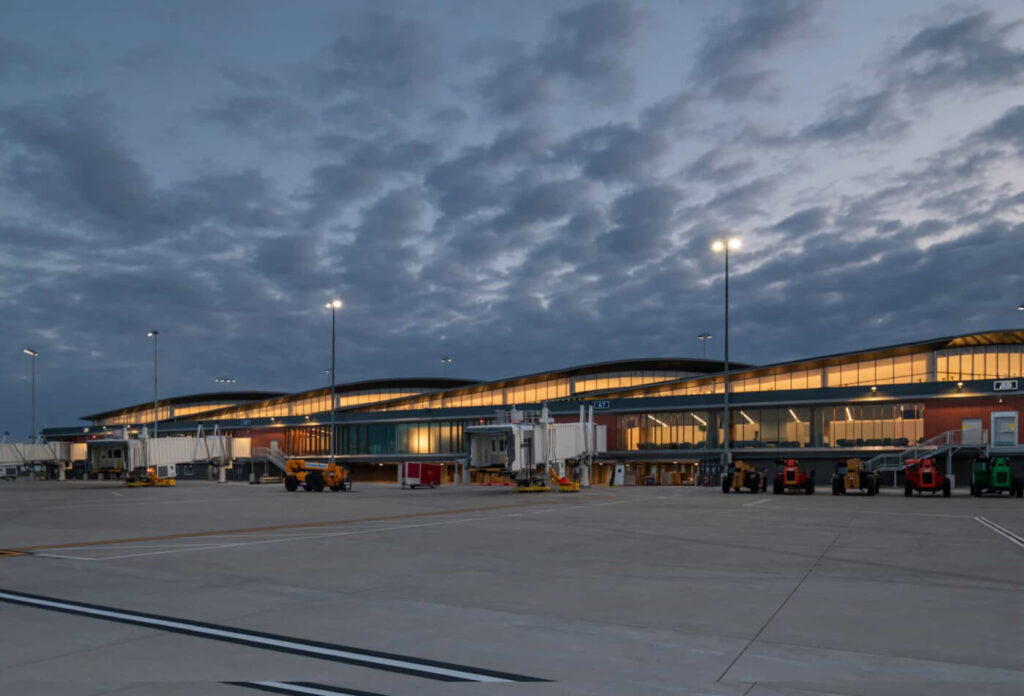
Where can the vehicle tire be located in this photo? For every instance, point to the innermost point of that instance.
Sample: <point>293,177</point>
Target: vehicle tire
<point>725,484</point>
<point>974,491</point>
<point>776,487</point>
<point>764,484</point>
<point>835,488</point>
<point>872,487</point>
<point>810,487</point>
<point>335,488</point>
<point>907,490</point>
<point>1020,488</point>
<point>947,490</point>
<point>291,483</point>
<point>318,484</point>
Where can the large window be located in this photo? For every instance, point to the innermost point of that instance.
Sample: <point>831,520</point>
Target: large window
<point>843,425</point>
<point>770,427</point>
<point>871,425</point>
<point>979,362</point>
<point>679,430</point>
<point>440,437</point>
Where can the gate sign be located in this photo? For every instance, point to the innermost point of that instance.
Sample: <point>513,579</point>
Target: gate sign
<point>600,405</point>
<point>1006,385</point>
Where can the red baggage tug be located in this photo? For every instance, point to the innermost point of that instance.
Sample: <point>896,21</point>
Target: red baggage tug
<point>922,476</point>
<point>415,474</point>
<point>790,477</point>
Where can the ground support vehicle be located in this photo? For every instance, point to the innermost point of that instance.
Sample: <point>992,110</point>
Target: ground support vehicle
<point>994,475</point>
<point>9,472</point>
<point>419,474</point>
<point>923,477</point>
<point>315,476</point>
<point>853,475</point>
<point>741,475</point>
<point>564,484</point>
<point>790,477</point>
<point>146,479</point>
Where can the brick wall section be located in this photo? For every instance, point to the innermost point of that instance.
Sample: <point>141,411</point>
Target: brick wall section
<point>941,415</point>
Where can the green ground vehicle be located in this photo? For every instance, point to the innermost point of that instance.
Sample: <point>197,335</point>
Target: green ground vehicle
<point>994,475</point>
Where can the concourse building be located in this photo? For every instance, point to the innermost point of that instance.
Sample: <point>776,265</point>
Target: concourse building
<point>953,397</point>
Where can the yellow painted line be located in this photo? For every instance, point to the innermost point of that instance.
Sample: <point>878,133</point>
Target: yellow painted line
<point>21,550</point>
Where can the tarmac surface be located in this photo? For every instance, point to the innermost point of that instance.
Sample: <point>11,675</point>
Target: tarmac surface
<point>235,589</point>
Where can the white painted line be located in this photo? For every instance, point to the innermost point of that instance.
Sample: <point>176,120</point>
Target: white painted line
<point>757,502</point>
<point>255,639</point>
<point>1002,531</point>
<point>300,688</point>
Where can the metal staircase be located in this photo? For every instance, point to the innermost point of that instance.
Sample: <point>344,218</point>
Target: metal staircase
<point>947,443</point>
<point>271,455</point>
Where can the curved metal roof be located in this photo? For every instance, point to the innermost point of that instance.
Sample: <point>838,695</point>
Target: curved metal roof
<point>985,338</point>
<point>235,396</point>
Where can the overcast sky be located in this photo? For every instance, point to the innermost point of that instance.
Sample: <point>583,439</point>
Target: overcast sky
<point>518,185</point>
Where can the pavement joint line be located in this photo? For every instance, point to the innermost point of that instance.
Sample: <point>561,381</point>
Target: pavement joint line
<point>757,502</point>
<point>781,606</point>
<point>271,528</point>
<point>390,662</point>
<point>308,688</point>
<point>1002,531</point>
<point>327,535</point>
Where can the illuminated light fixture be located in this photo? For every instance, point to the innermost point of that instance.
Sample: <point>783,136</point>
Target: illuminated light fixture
<point>749,419</point>
<point>849,416</point>
<point>959,385</point>
<point>698,419</point>
<point>718,245</point>
<point>333,304</point>
<point>659,422</point>
<point>874,389</point>
<point>792,413</point>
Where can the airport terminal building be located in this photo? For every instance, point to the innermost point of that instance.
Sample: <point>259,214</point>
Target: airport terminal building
<point>664,417</point>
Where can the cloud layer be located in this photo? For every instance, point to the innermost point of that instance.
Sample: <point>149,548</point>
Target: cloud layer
<point>520,190</point>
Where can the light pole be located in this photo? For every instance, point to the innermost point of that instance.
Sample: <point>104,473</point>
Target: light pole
<point>224,381</point>
<point>154,334</point>
<point>445,362</point>
<point>334,306</point>
<point>724,246</point>
<point>33,354</point>
<point>704,338</point>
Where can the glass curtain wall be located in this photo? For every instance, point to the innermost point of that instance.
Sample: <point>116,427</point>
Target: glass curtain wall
<point>679,430</point>
<point>840,425</point>
<point>979,362</point>
<point>442,437</point>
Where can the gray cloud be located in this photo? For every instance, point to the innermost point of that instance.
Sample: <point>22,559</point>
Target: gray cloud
<point>265,115</point>
<point>729,62</point>
<point>379,55</point>
<point>803,222</point>
<point>970,51</point>
<point>68,161</point>
<point>615,152</point>
<point>585,52</point>
<point>644,220</point>
<point>873,116</point>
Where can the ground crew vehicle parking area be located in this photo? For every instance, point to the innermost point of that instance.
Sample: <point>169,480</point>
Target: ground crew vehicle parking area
<point>236,589</point>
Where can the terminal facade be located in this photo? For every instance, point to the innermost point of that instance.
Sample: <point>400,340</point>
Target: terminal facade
<point>664,417</point>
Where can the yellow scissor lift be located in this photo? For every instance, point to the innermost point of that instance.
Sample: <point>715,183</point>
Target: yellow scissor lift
<point>539,485</point>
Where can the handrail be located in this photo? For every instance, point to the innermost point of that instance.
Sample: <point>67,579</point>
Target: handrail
<point>951,439</point>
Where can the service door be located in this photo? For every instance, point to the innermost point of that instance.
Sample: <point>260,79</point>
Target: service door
<point>971,431</point>
<point>1004,429</point>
